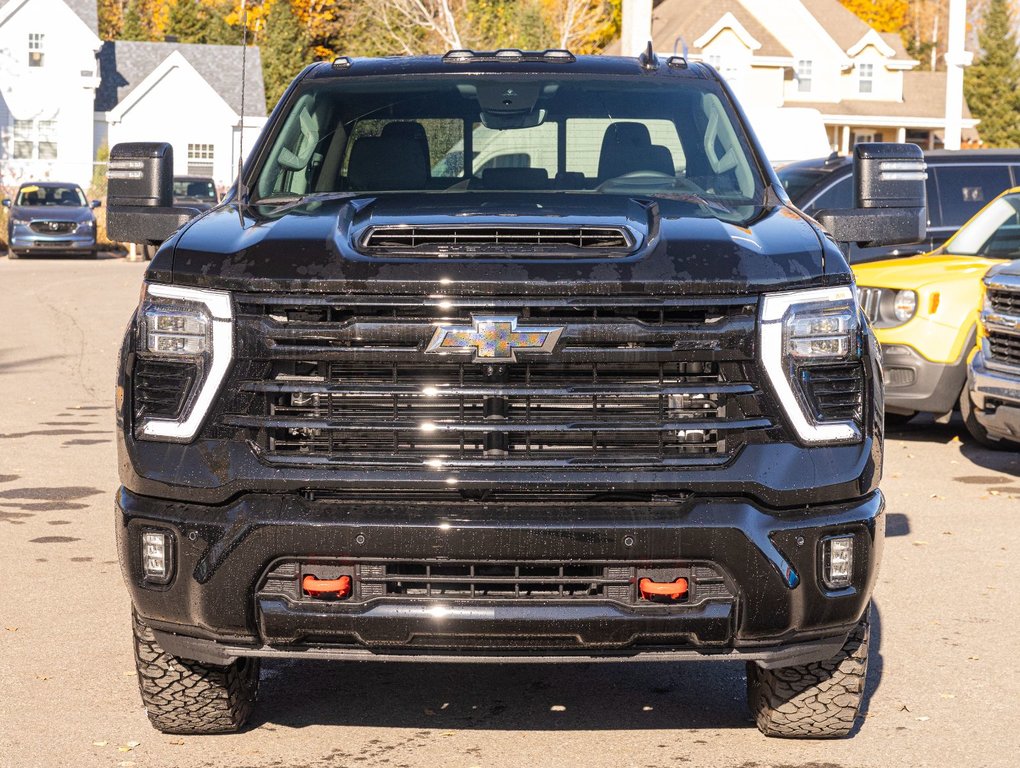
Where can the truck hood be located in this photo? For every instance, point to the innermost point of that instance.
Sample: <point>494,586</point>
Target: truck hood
<point>913,272</point>
<point>681,247</point>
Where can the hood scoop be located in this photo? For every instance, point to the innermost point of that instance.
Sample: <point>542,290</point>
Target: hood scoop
<point>505,241</point>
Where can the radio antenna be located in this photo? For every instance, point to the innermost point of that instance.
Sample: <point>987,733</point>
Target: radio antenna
<point>242,192</point>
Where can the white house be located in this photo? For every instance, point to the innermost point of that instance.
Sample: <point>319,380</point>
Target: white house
<point>48,81</point>
<point>64,93</point>
<point>812,54</point>
<point>188,95</point>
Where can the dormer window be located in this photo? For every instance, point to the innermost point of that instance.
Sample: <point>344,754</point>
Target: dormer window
<point>35,49</point>
<point>804,67</point>
<point>865,77</point>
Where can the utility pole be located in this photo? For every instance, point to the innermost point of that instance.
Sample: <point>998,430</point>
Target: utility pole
<point>636,27</point>
<point>956,59</point>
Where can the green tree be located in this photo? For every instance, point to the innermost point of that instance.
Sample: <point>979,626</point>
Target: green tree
<point>285,49</point>
<point>134,27</point>
<point>218,31</point>
<point>992,83</point>
<point>188,22</point>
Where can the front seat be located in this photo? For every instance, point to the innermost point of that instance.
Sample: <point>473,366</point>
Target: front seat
<point>385,163</point>
<point>627,147</point>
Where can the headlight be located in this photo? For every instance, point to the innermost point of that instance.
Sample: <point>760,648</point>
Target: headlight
<point>21,222</point>
<point>810,350</point>
<point>185,346</point>
<point>86,227</point>
<point>904,305</point>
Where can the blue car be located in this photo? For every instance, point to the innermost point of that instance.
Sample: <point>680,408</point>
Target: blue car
<point>49,217</point>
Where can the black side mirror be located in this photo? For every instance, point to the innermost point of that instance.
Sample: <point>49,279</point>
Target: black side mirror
<point>140,205</point>
<point>7,202</point>
<point>96,204</point>
<point>890,196</point>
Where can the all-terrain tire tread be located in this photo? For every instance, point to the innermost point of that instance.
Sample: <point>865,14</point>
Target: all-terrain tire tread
<point>815,701</point>
<point>185,697</point>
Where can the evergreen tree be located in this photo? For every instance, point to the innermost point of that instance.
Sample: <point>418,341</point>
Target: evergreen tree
<point>218,31</point>
<point>992,83</point>
<point>187,22</point>
<point>285,49</point>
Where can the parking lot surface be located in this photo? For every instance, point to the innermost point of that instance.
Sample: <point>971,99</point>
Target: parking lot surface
<point>944,681</point>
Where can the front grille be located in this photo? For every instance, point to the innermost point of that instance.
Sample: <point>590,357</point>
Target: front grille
<point>161,387</point>
<point>495,580</point>
<point>629,383</point>
<point>53,227</point>
<point>870,300</point>
<point>1004,347</point>
<point>1004,301</point>
<point>497,241</point>
<point>835,392</point>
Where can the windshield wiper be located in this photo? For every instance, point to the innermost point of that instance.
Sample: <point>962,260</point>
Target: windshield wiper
<point>287,202</point>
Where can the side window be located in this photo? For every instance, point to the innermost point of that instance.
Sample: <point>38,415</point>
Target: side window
<point>839,195</point>
<point>584,143</point>
<point>965,190</point>
<point>441,140</point>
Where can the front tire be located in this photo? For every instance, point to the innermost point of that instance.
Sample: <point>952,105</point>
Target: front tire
<point>976,430</point>
<point>186,697</point>
<point>813,701</point>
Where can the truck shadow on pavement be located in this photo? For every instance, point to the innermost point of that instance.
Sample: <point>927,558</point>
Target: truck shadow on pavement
<point>516,697</point>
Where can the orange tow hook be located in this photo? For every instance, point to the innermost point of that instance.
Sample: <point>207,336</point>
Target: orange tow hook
<point>672,589</point>
<point>339,587</point>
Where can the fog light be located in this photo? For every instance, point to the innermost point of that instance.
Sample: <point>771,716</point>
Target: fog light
<point>157,556</point>
<point>838,561</point>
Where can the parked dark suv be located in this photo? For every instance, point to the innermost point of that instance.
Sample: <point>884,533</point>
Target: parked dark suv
<point>959,185</point>
<point>50,217</point>
<point>606,404</point>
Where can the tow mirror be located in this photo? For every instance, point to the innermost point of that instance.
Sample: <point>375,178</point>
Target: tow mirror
<point>96,204</point>
<point>890,198</point>
<point>6,202</point>
<point>140,205</point>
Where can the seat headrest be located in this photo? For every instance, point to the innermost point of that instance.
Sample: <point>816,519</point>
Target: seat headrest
<point>387,163</point>
<point>515,178</point>
<point>627,147</point>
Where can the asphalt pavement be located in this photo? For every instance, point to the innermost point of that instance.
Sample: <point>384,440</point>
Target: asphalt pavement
<point>943,685</point>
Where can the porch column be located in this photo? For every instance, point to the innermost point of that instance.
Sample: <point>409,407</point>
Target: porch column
<point>844,143</point>
<point>901,135</point>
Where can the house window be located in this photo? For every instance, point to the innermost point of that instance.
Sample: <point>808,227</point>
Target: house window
<point>24,143</point>
<point>715,61</point>
<point>804,67</point>
<point>46,131</point>
<point>35,140</point>
<point>200,159</point>
<point>865,77</point>
<point>35,49</point>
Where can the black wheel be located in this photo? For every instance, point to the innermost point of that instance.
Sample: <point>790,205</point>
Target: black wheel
<point>978,432</point>
<point>813,701</point>
<point>183,696</point>
<point>896,420</point>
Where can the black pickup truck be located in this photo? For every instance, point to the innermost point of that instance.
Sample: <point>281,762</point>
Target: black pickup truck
<point>500,356</point>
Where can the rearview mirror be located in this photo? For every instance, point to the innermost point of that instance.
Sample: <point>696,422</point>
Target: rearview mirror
<point>140,194</point>
<point>890,198</point>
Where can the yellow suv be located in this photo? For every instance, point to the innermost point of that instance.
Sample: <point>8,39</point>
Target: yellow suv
<point>924,310</point>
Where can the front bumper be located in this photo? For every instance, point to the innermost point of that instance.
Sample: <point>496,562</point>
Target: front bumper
<point>24,240</point>
<point>995,394</point>
<point>774,609</point>
<point>913,383</point>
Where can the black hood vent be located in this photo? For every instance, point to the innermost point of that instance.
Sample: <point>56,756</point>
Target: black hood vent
<point>498,241</point>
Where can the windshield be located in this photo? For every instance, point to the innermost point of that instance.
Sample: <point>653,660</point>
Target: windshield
<point>39,195</point>
<point>201,189</point>
<point>994,233</point>
<point>797,181</point>
<point>477,133</point>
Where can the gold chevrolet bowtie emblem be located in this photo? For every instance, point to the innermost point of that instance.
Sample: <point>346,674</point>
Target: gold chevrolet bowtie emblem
<point>493,339</point>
